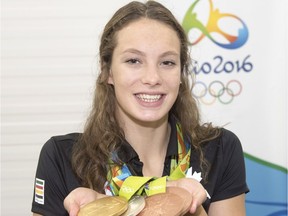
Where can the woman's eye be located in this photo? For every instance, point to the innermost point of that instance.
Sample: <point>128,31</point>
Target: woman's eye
<point>168,63</point>
<point>133,61</point>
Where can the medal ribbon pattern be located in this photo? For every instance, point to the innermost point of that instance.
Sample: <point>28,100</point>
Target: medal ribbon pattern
<point>125,185</point>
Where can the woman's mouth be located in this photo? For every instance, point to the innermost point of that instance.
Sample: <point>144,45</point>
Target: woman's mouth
<point>149,98</point>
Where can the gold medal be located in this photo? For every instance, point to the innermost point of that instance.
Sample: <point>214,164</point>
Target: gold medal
<point>135,206</point>
<point>107,206</point>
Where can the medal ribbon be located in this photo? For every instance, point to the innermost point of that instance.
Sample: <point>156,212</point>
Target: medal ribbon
<point>125,185</point>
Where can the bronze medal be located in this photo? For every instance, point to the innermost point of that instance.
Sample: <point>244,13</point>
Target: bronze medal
<point>163,204</point>
<point>184,194</point>
<point>107,206</point>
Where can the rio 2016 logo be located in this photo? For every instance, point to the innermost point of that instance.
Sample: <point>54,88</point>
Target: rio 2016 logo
<point>191,22</point>
<point>223,92</point>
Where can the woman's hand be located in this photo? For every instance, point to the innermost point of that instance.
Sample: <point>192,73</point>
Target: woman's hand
<point>78,198</point>
<point>194,187</point>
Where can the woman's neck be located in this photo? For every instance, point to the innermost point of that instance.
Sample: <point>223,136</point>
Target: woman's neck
<point>150,141</point>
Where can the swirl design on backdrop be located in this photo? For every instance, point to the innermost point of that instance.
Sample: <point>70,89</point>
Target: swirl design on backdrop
<point>266,199</point>
<point>191,22</point>
<point>225,93</point>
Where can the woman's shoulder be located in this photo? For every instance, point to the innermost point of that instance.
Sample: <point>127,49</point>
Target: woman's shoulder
<point>60,144</point>
<point>228,134</point>
<point>226,142</point>
<point>228,138</point>
<point>66,138</point>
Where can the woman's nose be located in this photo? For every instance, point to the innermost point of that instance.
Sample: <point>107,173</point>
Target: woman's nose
<point>151,75</point>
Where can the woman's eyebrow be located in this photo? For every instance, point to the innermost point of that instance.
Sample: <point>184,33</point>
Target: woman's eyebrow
<point>136,51</point>
<point>170,53</point>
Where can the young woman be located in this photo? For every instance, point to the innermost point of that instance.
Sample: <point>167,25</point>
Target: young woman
<point>144,122</point>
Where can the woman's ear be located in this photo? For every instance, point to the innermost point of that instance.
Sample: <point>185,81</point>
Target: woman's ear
<point>110,78</point>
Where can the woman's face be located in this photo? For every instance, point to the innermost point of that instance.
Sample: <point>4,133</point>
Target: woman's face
<point>145,71</point>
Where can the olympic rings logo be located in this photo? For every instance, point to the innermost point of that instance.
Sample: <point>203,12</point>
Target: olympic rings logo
<point>217,90</point>
<point>127,189</point>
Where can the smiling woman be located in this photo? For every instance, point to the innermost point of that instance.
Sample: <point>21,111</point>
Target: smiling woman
<point>144,132</point>
<point>146,78</point>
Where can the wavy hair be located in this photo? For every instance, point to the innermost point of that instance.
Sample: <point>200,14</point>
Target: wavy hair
<point>102,133</point>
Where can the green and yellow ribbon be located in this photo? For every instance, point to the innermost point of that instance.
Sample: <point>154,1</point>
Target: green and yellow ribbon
<point>124,184</point>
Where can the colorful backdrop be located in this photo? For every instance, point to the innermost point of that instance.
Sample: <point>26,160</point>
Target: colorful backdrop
<point>240,61</point>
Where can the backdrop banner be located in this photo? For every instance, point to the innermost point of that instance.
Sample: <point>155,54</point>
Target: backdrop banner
<point>239,57</point>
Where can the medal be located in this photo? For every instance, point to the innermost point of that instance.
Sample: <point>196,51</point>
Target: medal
<point>135,206</point>
<point>107,206</point>
<point>185,196</point>
<point>163,204</point>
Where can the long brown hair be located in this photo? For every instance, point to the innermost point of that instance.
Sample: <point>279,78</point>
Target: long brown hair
<point>102,133</point>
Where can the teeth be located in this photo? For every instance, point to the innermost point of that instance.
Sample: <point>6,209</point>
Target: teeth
<point>148,98</point>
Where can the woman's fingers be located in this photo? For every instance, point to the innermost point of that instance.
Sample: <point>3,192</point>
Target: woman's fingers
<point>78,198</point>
